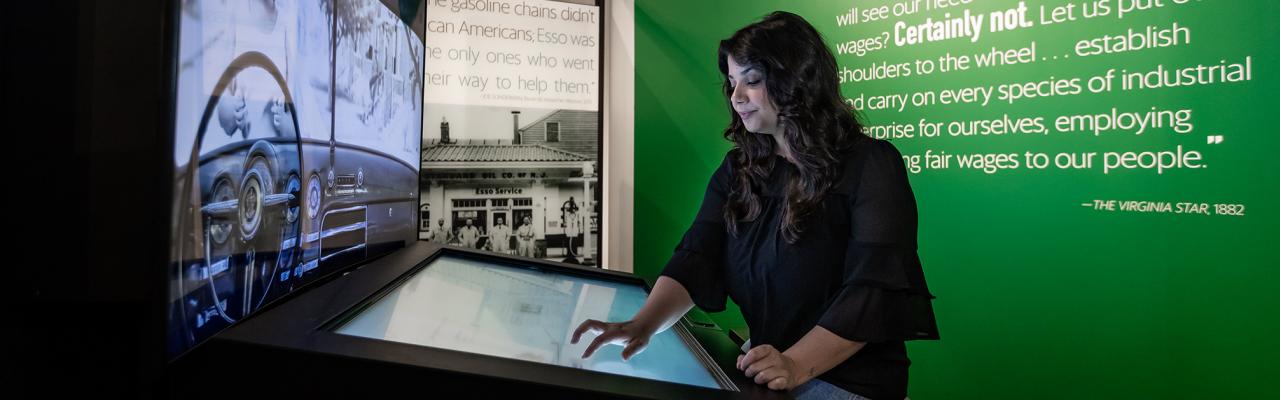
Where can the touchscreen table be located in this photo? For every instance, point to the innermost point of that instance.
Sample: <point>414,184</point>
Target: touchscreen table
<point>479,307</point>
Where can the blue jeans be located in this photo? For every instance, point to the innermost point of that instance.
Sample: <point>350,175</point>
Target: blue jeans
<point>817,389</point>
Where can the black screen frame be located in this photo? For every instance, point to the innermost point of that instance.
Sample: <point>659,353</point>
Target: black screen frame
<point>681,331</point>
<point>303,325</point>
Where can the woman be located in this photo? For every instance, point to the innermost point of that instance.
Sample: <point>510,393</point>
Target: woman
<point>809,225</point>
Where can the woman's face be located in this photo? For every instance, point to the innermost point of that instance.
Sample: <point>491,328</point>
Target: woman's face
<point>750,100</point>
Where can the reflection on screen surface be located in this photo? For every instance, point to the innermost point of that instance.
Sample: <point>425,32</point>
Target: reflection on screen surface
<point>477,307</point>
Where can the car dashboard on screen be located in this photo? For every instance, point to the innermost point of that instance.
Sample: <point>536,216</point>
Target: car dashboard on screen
<point>297,129</point>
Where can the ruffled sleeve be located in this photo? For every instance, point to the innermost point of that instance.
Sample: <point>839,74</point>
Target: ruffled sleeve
<point>698,261</point>
<point>883,296</point>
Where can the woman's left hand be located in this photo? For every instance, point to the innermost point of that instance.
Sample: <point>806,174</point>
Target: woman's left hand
<point>769,366</point>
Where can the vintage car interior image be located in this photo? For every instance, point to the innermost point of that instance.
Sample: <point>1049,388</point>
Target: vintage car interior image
<point>296,141</point>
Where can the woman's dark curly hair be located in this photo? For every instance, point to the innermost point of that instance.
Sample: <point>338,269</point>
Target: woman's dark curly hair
<point>801,83</point>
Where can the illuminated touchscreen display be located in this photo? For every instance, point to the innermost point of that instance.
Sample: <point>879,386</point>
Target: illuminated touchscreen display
<point>478,307</point>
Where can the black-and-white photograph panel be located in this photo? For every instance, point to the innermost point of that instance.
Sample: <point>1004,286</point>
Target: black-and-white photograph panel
<point>516,181</point>
<point>511,144</point>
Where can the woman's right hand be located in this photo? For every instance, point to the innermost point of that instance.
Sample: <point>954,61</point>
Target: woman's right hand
<point>631,334</point>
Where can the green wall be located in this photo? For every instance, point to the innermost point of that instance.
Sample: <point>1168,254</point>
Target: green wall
<point>1039,296</point>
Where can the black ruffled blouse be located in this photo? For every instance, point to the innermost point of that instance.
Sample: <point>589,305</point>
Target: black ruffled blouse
<point>854,270</point>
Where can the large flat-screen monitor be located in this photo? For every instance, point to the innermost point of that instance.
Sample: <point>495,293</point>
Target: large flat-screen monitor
<point>296,142</point>
<point>494,309</point>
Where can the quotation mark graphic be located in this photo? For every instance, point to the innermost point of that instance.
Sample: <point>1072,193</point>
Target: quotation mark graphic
<point>1215,139</point>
